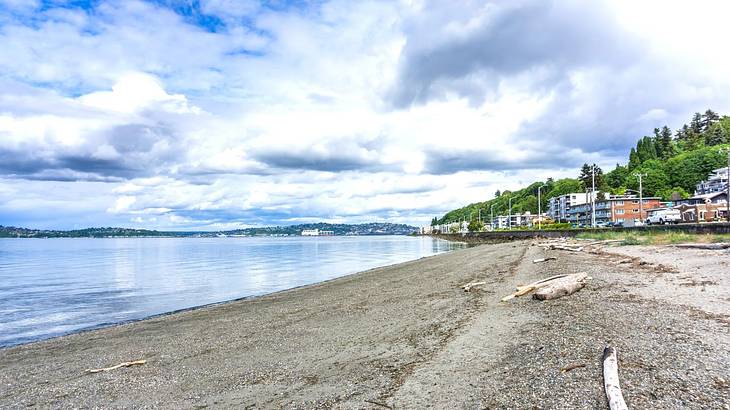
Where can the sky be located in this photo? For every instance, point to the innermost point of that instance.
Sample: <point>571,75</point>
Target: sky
<point>221,114</point>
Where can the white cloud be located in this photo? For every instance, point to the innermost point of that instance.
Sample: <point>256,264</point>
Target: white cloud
<point>336,110</point>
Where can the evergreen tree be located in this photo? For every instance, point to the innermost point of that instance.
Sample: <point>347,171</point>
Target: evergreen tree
<point>497,194</point>
<point>634,160</point>
<point>434,221</point>
<point>665,136</point>
<point>708,118</point>
<point>586,176</point>
<point>696,124</point>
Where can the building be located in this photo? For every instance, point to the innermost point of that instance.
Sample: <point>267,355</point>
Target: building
<point>310,232</point>
<point>716,182</point>
<point>712,197</point>
<point>707,207</point>
<point>617,209</point>
<point>558,206</point>
<point>514,221</point>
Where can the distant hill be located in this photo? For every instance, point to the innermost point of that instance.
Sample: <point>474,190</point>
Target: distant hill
<point>292,230</point>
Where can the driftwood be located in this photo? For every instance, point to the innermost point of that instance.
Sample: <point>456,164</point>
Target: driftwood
<point>468,286</point>
<point>709,246</point>
<point>572,367</point>
<point>561,287</point>
<point>610,380</point>
<point>124,364</point>
<point>567,248</point>
<point>549,258</point>
<point>525,289</point>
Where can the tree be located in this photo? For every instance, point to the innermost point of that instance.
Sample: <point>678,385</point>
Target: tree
<point>586,176</point>
<point>616,178</point>
<point>687,169</point>
<point>497,194</point>
<point>709,118</point>
<point>655,178</point>
<point>434,221</point>
<point>696,125</point>
<point>634,160</point>
<point>475,225</point>
<point>665,136</point>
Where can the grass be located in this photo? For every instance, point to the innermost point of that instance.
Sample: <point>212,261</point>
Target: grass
<point>655,238</point>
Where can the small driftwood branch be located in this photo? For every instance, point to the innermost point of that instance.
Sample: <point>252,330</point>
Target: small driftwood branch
<point>549,258</point>
<point>377,403</point>
<point>572,367</point>
<point>561,287</point>
<point>468,286</point>
<point>125,364</point>
<point>610,380</point>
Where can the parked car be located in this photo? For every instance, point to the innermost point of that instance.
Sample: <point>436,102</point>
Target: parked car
<point>664,216</point>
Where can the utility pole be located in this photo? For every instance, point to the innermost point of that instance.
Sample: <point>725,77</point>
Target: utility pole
<point>509,215</point>
<point>593,198</point>
<point>491,221</point>
<point>641,197</point>
<point>539,208</point>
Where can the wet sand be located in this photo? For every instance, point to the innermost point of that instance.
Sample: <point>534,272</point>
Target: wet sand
<point>407,336</point>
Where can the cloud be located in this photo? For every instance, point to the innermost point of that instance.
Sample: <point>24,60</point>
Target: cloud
<point>182,115</point>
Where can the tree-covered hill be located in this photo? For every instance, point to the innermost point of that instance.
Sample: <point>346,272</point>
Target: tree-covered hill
<point>672,164</point>
<point>375,228</point>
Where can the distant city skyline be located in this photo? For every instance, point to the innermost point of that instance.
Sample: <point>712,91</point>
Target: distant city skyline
<point>218,114</point>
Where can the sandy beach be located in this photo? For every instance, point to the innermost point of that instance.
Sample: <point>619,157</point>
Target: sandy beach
<point>408,336</point>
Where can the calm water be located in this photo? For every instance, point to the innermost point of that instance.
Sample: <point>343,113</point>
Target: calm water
<point>50,287</point>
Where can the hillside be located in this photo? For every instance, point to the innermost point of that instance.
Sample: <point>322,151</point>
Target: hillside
<point>292,230</point>
<point>672,165</point>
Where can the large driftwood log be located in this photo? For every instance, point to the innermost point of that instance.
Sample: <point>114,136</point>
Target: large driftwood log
<point>549,258</point>
<point>561,287</point>
<point>567,248</point>
<point>525,289</point>
<point>709,246</point>
<point>610,380</point>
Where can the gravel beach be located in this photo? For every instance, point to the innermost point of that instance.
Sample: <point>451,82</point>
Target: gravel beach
<point>408,336</point>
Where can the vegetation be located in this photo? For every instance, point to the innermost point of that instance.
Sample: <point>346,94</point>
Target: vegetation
<point>654,237</point>
<point>671,165</point>
<point>292,230</point>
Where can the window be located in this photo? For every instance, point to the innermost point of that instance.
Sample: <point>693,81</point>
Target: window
<point>619,212</point>
<point>636,211</point>
<point>636,201</point>
<point>619,203</point>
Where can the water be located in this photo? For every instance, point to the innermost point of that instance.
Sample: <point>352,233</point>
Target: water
<point>51,287</point>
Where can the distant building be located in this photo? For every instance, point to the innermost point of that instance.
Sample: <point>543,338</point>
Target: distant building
<point>514,221</point>
<point>719,197</point>
<point>716,182</point>
<point>707,207</point>
<point>617,209</point>
<point>310,232</point>
<point>558,206</point>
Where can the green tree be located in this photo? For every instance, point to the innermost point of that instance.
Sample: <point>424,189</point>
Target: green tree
<point>497,194</point>
<point>586,176</point>
<point>655,178</point>
<point>708,118</point>
<point>634,160</point>
<point>687,169</point>
<point>434,221</point>
<point>475,225</point>
<point>616,178</point>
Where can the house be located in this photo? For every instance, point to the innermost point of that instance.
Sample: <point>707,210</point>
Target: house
<point>707,207</point>
<point>716,182</point>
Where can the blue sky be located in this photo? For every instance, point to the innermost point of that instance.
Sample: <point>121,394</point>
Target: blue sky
<point>217,114</point>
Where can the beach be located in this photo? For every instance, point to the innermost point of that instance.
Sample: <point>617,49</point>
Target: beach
<point>408,336</point>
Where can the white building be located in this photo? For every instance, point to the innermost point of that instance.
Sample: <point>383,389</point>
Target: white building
<point>558,206</point>
<point>716,182</point>
<point>310,232</point>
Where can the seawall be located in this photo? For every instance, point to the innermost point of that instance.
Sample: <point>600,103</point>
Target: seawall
<point>516,235</point>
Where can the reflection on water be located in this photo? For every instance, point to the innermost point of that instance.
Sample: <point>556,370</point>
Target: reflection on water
<point>49,287</point>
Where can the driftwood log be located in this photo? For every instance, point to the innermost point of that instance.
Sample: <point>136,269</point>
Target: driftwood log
<point>549,258</point>
<point>610,380</point>
<point>567,248</point>
<point>124,364</point>
<point>561,287</point>
<point>525,289</point>
<point>709,246</point>
<point>468,286</point>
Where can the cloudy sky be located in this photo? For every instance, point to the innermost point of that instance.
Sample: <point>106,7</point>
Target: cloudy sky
<point>216,114</point>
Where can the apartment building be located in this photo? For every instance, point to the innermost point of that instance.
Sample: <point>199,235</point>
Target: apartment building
<point>558,206</point>
<point>716,182</point>
<point>616,209</point>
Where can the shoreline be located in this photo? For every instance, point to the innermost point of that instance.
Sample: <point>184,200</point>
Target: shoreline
<point>408,336</point>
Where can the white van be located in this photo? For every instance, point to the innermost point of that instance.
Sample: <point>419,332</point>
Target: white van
<point>663,216</point>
